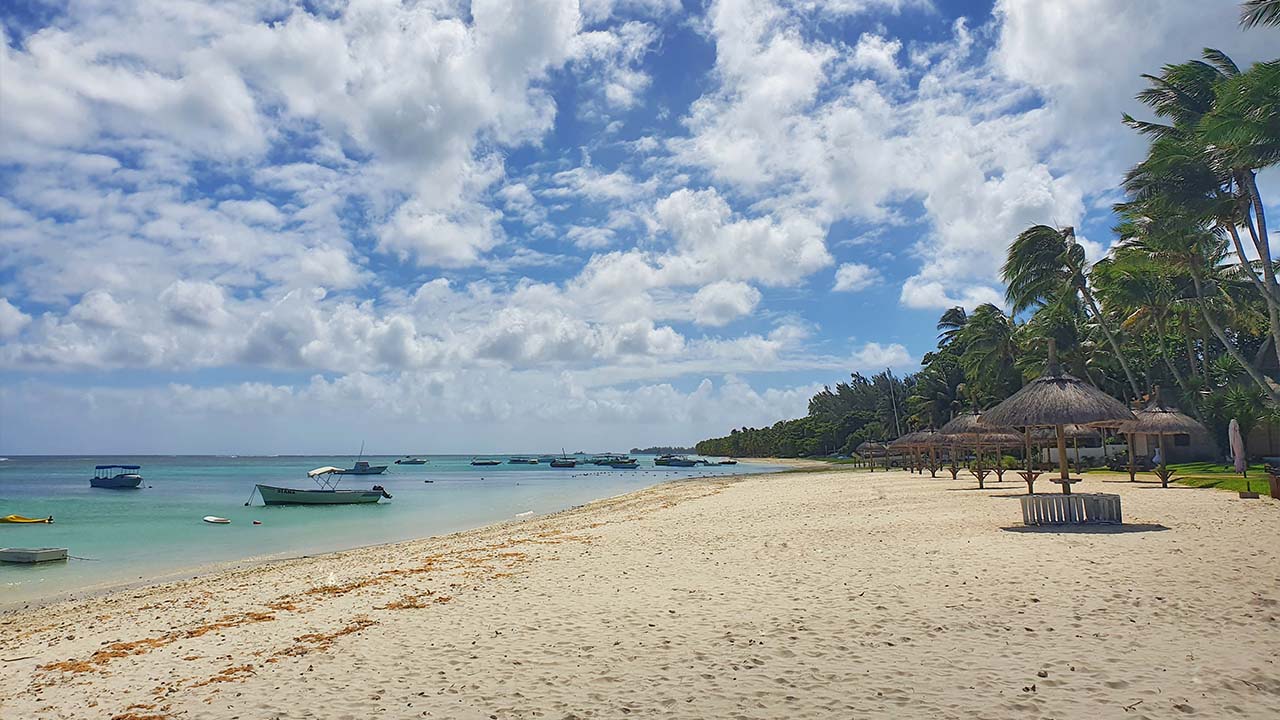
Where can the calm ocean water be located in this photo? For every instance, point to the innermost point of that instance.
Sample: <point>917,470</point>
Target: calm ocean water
<point>127,535</point>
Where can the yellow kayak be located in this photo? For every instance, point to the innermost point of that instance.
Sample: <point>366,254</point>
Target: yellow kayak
<point>21,519</point>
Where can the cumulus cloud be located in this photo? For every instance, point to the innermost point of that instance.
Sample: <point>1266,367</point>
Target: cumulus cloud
<point>875,357</point>
<point>723,302</point>
<point>852,277</point>
<point>12,320</point>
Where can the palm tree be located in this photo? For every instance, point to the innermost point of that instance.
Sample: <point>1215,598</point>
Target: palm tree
<point>1146,296</point>
<point>1259,12</point>
<point>950,325</point>
<point>1045,263</point>
<point>1223,129</point>
<point>1168,237</point>
<point>988,353</point>
<point>935,397</point>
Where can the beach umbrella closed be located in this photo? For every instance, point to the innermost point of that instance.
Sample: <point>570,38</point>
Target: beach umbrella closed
<point>1237,447</point>
<point>1055,400</point>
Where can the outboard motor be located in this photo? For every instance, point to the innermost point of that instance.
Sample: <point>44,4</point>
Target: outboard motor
<point>382,490</point>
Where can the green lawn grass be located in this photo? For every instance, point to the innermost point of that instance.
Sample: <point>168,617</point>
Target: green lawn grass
<point>1220,476</point>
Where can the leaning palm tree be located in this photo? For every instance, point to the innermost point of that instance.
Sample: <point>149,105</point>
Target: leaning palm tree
<point>1223,125</point>
<point>1045,263</point>
<point>1167,236</point>
<point>950,325</point>
<point>1259,12</point>
<point>1144,294</point>
<point>988,353</point>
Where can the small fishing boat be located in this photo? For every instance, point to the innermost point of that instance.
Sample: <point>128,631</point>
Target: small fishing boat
<point>21,519</point>
<point>624,464</point>
<point>116,477</point>
<point>32,555</point>
<point>522,460</point>
<point>410,460</point>
<point>362,467</point>
<point>485,462</point>
<point>674,461</point>
<point>215,520</point>
<point>564,461</point>
<point>326,492</point>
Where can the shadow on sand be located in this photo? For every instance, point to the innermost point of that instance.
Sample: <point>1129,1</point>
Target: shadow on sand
<point>1087,529</point>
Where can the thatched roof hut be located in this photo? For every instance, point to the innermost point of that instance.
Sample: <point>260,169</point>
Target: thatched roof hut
<point>1055,400</point>
<point>1160,419</point>
<point>968,427</point>
<point>1072,432</point>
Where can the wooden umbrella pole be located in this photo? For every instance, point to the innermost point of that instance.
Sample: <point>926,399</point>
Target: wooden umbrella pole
<point>1063,473</point>
<point>1031,471</point>
<point>1164,471</point>
<point>1132,470</point>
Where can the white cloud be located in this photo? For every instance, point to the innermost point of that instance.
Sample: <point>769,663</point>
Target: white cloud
<point>878,55</point>
<point>875,357</point>
<point>711,244</point>
<point>12,320</point>
<point>460,411</point>
<point>723,302</point>
<point>852,277</point>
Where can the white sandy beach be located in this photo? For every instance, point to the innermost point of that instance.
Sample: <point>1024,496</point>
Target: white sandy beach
<point>819,594</point>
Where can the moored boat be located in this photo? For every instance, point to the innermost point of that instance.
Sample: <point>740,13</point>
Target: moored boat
<point>624,464</point>
<point>326,492</point>
<point>32,555</point>
<point>411,460</point>
<point>364,468</point>
<point>674,461</point>
<point>116,477</point>
<point>521,460</point>
<point>21,519</point>
<point>485,462</point>
<point>564,461</point>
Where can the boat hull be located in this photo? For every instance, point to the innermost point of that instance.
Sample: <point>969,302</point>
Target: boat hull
<point>289,496</point>
<point>32,555</point>
<point>21,519</point>
<point>118,482</point>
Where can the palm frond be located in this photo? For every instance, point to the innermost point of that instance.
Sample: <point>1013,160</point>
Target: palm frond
<point>1259,12</point>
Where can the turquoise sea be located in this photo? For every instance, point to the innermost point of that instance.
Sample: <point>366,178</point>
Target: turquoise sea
<point>125,536</point>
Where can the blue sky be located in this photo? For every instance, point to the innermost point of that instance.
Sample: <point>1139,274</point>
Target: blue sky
<point>472,226</point>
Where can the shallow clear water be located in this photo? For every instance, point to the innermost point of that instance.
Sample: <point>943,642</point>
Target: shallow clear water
<point>132,534</point>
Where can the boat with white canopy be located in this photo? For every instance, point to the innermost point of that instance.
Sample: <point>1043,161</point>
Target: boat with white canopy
<point>326,492</point>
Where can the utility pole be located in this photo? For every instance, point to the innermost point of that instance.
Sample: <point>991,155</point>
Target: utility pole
<point>897,424</point>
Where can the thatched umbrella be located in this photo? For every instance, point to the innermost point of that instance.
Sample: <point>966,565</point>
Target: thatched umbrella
<point>903,444</point>
<point>868,449</point>
<point>1055,400</point>
<point>930,440</point>
<point>965,428</point>
<point>1160,419</point>
<point>1074,433</point>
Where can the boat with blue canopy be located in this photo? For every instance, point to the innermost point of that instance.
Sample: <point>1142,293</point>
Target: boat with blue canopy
<point>116,477</point>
